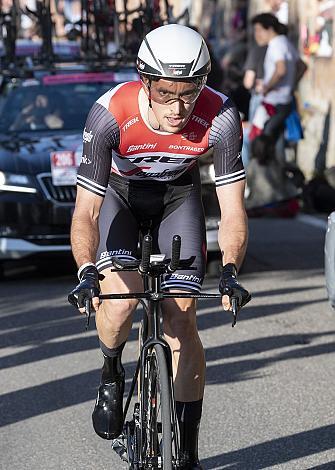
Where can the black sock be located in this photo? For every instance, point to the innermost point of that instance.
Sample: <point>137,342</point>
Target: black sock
<point>189,416</point>
<point>112,369</point>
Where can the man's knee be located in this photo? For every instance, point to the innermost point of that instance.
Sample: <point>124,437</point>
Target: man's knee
<point>180,319</point>
<point>117,313</point>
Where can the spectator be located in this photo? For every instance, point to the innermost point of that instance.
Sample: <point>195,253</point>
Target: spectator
<point>279,8</point>
<point>283,68</point>
<point>239,21</point>
<point>41,114</point>
<point>253,74</point>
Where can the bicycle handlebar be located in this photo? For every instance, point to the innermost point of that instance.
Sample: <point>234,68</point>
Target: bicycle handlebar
<point>175,258</point>
<point>143,267</point>
<point>146,252</point>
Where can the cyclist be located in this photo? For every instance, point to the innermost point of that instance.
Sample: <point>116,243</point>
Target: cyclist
<point>142,141</point>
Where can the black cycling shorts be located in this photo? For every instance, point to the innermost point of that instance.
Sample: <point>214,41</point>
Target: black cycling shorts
<point>171,208</point>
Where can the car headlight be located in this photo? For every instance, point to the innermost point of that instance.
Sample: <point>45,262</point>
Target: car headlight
<point>207,173</point>
<point>16,183</point>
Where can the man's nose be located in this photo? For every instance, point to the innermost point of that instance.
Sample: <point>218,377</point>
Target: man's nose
<point>176,107</point>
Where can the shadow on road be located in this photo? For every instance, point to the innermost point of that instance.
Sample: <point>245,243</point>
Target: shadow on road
<point>249,369</point>
<point>53,395</point>
<point>277,451</point>
<point>35,327</point>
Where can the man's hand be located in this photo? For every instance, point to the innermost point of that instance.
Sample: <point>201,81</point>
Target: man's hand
<point>87,289</point>
<point>229,287</point>
<point>259,86</point>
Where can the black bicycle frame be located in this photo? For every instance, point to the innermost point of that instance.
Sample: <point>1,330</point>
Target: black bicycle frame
<point>152,318</point>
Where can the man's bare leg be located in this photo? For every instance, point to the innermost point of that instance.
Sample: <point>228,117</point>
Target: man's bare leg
<point>189,373</point>
<point>113,320</point>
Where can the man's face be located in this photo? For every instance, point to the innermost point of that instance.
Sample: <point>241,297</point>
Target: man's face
<point>172,102</point>
<point>262,35</point>
<point>41,101</point>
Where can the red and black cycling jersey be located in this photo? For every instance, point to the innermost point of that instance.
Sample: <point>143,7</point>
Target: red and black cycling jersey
<point>117,140</point>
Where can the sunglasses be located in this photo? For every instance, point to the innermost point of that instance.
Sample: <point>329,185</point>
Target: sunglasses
<point>162,95</point>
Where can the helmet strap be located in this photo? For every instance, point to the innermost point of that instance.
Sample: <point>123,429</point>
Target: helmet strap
<point>149,97</point>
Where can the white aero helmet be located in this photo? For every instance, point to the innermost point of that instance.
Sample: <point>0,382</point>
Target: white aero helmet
<point>173,51</point>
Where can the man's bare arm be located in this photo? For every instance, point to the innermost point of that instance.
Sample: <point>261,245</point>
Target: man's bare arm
<point>249,79</point>
<point>278,74</point>
<point>84,228</point>
<point>233,230</point>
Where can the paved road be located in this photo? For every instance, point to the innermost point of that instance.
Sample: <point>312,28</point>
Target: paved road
<point>270,381</point>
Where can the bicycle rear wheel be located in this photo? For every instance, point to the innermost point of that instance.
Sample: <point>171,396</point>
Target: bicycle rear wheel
<point>157,448</point>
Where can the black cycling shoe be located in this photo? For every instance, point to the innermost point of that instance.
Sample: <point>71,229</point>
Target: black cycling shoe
<point>107,415</point>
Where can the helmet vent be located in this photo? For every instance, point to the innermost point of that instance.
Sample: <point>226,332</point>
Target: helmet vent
<point>197,59</point>
<point>153,55</point>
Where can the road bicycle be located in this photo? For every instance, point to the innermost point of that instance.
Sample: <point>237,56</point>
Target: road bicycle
<point>150,438</point>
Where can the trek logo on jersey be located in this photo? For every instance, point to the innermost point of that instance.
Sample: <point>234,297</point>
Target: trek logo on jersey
<point>200,121</point>
<point>146,146</point>
<point>130,123</point>
<point>160,159</point>
<point>87,136</point>
<point>177,72</point>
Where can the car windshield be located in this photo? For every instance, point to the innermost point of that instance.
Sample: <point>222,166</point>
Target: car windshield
<point>58,104</point>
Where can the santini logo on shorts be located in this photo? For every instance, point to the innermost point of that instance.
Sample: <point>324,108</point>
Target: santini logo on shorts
<point>106,254</point>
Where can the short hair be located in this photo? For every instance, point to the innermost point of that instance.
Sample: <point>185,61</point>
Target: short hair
<point>267,21</point>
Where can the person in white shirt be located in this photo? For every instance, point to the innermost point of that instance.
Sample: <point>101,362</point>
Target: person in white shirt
<point>283,68</point>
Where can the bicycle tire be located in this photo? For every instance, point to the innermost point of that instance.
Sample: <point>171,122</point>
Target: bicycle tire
<point>157,439</point>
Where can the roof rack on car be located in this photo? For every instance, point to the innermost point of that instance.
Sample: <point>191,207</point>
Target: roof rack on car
<point>103,36</point>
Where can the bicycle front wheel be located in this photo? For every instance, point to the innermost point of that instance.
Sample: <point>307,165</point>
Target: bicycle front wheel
<point>156,412</point>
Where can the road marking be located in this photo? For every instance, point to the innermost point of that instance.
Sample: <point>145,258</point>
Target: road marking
<point>311,220</point>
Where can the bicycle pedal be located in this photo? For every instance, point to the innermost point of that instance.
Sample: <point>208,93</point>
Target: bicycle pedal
<point>119,447</point>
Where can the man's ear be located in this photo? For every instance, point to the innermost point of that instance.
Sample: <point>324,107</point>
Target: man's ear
<point>146,84</point>
<point>145,81</point>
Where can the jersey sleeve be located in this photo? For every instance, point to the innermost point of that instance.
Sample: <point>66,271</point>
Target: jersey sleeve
<point>226,139</point>
<point>101,135</point>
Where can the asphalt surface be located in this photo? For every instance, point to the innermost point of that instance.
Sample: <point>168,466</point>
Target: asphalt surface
<point>270,392</point>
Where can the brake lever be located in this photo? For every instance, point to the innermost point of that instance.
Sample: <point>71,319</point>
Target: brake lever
<point>234,306</point>
<point>87,313</point>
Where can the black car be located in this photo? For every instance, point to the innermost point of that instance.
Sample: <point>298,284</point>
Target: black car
<point>42,118</point>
